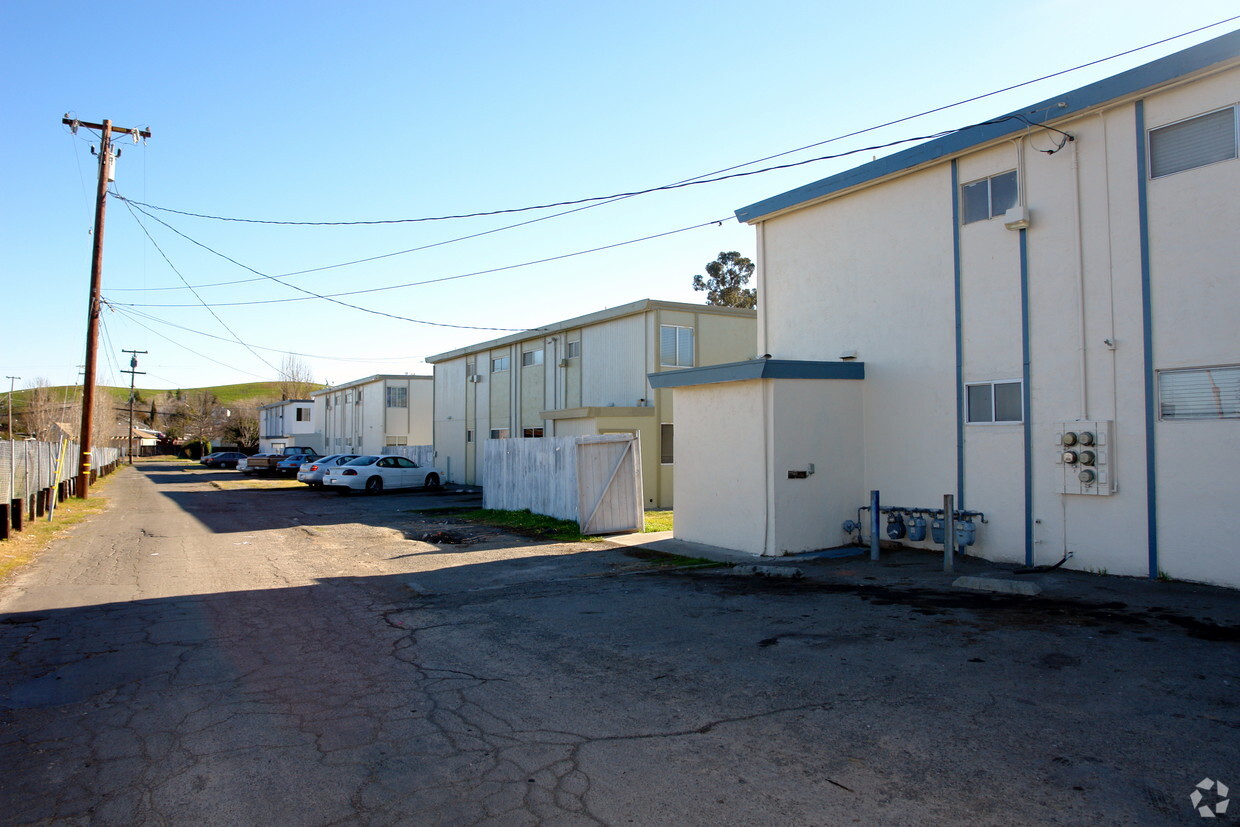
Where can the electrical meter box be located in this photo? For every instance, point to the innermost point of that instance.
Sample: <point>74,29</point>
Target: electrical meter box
<point>1086,456</point>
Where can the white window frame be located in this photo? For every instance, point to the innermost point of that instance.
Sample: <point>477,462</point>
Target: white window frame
<point>990,196</point>
<point>300,417</point>
<point>992,420</point>
<point>1235,140</point>
<point>395,441</point>
<point>531,358</point>
<point>528,433</point>
<point>572,350</point>
<point>679,357</point>
<point>499,364</point>
<point>499,433</point>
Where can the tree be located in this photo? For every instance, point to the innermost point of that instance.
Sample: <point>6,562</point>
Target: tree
<point>200,418</point>
<point>296,380</point>
<point>725,286</point>
<point>243,427</point>
<point>43,410</point>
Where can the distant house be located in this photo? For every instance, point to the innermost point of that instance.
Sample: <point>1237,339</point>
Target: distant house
<point>1036,315</point>
<point>585,375</point>
<point>286,424</point>
<point>366,415</point>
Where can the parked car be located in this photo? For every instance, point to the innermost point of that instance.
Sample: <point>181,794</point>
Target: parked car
<point>290,463</point>
<point>373,474</point>
<point>312,471</point>
<point>245,467</point>
<point>260,463</point>
<point>223,459</point>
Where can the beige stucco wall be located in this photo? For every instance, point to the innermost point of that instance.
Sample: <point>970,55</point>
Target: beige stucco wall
<point>721,493</point>
<point>872,271</point>
<point>1196,293</point>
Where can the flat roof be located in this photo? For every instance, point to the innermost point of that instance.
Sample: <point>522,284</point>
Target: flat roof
<point>610,313</point>
<point>376,378</point>
<point>1126,84</point>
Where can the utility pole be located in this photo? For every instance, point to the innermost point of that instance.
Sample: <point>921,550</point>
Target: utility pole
<point>96,276</point>
<point>12,444</point>
<point>133,374</point>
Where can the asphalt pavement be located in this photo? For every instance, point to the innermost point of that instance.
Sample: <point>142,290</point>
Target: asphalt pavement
<point>203,655</point>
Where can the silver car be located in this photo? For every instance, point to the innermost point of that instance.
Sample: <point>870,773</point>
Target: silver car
<point>311,472</point>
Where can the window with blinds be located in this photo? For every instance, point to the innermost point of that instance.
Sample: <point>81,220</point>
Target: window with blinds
<point>1201,393</point>
<point>675,346</point>
<point>1196,142</point>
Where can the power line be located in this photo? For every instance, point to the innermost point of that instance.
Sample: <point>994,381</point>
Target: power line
<point>223,324</point>
<point>196,353</point>
<point>614,196</point>
<point>380,256</point>
<point>310,294</point>
<point>138,206</point>
<point>332,297</point>
<point>705,178</point>
<point>130,312</point>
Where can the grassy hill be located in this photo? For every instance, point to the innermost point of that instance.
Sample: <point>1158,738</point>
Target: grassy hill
<point>260,392</point>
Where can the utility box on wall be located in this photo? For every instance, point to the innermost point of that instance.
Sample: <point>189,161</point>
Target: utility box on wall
<point>1087,456</point>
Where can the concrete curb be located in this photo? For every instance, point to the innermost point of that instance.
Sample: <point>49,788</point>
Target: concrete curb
<point>994,584</point>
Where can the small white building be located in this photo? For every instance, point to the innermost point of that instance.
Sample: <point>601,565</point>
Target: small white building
<point>366,415</point>
<point>582,376</point>
<point>286,424</point>
<point>1037,315</point>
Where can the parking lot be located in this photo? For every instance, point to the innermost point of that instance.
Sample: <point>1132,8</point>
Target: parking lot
<point>206,654</point>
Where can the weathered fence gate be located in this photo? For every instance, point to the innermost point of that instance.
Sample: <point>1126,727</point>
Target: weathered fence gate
<point>595,481</point>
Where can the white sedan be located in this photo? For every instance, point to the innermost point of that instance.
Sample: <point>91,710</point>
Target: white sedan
<point>373,474</point>
<point>311,472</point>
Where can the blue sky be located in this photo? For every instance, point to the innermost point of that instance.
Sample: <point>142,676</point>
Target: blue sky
<point>313,111</point>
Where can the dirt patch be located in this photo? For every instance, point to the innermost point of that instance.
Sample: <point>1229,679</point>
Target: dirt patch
<point>995,610</point>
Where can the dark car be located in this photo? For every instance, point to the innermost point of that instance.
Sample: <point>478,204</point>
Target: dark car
<point>223,459</point>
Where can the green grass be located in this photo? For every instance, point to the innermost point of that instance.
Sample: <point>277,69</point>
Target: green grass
<point>658,521</point>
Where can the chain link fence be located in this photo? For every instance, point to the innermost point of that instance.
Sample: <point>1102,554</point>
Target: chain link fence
<point>28,467</point>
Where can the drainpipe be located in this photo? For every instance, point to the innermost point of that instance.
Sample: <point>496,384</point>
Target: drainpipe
<point>1080,276</point>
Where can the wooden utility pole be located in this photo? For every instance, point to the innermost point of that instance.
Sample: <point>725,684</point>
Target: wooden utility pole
<point>96,275</point>
<point>133,374</point>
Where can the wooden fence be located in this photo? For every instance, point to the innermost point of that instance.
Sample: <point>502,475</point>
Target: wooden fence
<point>595,481</point>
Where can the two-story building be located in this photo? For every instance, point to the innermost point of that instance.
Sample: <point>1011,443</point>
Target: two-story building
<point>1036,314</point>
<point>288,423</point>
<point>366,415</point>
<point>580,376</point>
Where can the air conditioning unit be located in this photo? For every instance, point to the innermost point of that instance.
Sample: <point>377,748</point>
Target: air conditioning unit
<point>563,363</point>
<point>475,377</point>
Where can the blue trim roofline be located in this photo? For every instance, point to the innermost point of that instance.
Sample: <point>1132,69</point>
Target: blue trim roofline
<point>756,369</point>
<point>1131,82</point>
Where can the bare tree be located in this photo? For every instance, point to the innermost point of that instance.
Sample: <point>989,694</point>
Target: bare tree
<point>243,427</point>
<point>44,410</point>
<point>200,417</point>
<point>296,379</point>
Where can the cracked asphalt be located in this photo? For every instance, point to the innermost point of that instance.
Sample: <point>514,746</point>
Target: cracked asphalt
<point>202,656</point>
